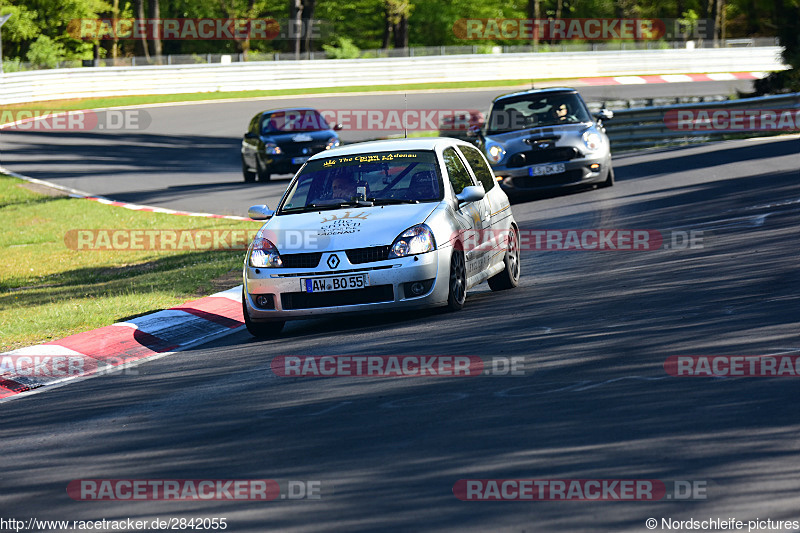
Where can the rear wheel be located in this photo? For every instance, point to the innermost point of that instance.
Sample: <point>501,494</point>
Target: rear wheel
<point>262,330</point>
<point>263,173</point>
<point>509,277</point>
<point>249,177</point>
<point>609,180</point>
<point>458,281</point>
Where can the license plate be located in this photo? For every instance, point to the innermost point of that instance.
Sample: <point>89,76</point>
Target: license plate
<point>299,160</point>
<point>546,170</point>
<point>337,283</point>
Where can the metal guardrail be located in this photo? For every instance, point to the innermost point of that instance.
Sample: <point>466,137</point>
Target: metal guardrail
<point>646,126</point>
<point>42,85</point>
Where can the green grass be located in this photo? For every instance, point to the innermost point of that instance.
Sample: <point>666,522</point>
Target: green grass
<point>119,101</point>
<point>49,290</point>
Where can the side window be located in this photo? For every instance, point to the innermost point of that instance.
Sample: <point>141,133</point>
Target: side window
<point>459,176</point>
<point>479,166</point>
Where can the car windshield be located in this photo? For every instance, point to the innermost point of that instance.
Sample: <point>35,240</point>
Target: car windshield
<point>293,120</point>
<point>378,178</point>
<point>532,111</point>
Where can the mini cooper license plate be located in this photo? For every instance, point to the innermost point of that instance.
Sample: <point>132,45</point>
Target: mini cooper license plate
<point>336,283</point>
<point>546,170</point>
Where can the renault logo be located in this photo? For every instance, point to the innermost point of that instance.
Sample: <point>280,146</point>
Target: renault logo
<point>333,261</point>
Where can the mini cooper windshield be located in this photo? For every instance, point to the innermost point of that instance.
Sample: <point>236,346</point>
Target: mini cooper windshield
<point>528,111</point>
<point>369,179</point>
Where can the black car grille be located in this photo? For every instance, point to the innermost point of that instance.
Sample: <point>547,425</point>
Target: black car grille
<point>532,182</point>
<point>367,255</point>
<point>312,300</point>
<point>309,260</point>
<point>535,157</point>
<point>296,149</point>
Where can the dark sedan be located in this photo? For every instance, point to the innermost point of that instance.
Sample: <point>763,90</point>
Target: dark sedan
<point>547,138</point>
<point>279,141</point>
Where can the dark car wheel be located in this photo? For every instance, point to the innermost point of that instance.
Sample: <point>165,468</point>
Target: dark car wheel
<point>457,282</point>
<point>609,180</point>
<point>261,330</point>
<point>509,277</point>
<point>263,173</point>
<point>249,177</point>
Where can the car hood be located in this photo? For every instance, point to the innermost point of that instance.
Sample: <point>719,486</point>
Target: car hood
<point>299,137</point>
<point>342,229</point>
<point>542,132</point>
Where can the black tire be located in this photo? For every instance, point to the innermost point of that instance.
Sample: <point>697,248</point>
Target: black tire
<point>509,277</point>
<point>249,177</point>
<point>263,173</point>
<point>457,282</point>
<point>261,330</point>
<point>609,179</point>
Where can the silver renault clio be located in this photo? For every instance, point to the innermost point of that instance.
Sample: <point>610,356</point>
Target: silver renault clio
<point>383,225</point>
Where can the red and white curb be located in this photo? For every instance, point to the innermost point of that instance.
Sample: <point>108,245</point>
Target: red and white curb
<point>673,78</point>
<point>120,345</point>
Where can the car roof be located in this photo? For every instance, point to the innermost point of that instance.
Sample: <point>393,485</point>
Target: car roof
<point>284,109</point>
<point>414,143</point>
<point>537,92</point>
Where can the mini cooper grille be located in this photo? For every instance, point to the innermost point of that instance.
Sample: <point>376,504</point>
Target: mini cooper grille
<point>535,157</point>
<point>305,300</point>
<point>367,255</point>
<point>309,260</point>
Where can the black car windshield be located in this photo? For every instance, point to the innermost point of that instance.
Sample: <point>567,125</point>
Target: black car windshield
<point>293,120</point>
<point>377,178</point>
<point>532,111</point>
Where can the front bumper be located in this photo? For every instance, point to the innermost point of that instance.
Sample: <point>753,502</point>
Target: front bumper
<point>576,172</point>
<point>389,287</point>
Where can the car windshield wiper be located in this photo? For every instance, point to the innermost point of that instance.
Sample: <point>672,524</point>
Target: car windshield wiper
<point>327,207</point>
<point>388,201</point>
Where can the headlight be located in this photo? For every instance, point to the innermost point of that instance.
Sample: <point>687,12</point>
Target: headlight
<point>272,149</point>
<point>495,152</point>
<point>415,240</point>
<point>333,142</point>
<point>264,254</point>
<point>592,140</point>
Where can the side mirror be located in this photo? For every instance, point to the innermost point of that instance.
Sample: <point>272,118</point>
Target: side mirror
<point>250,135</point>
<point>260,212</point>
<point>604,114</point>
<point>473,193</point>
<point>337,127</point>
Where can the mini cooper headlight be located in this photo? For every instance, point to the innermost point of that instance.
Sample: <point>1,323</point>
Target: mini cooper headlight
<point>415,240</point>
<point>272,149</point>
<point>592,140</point>
<point>264,254</point>
<point>495,152</point>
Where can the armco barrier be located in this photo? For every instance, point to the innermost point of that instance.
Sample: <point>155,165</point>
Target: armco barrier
<point>34,86</point>
<point>646,126</point>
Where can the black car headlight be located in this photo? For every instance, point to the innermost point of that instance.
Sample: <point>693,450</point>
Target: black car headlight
<point>415,240</point>
<point>272,149</point>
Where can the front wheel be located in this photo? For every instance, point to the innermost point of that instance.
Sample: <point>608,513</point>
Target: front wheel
<point>261,330</point>
<point>509,277</point>
<point>249,177</point>
<point>609,180</point>
<point>458,281</point>
<point>263,173</point>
